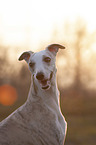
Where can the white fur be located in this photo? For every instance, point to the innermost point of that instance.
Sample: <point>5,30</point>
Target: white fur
<point>39,121</point>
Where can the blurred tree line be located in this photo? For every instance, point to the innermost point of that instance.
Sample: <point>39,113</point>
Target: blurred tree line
<point>76,73</point>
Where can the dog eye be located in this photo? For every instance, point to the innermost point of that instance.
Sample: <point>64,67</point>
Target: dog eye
<point>47,59</point>
<point>31,64</point>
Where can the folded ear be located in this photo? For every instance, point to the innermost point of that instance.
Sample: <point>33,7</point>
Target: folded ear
<point>54,48</point>
<point>25,55</point>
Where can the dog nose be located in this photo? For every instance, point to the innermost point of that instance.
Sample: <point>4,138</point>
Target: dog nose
<point>40,76</point>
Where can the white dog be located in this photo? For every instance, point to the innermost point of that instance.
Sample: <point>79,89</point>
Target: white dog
<point>39,121</point>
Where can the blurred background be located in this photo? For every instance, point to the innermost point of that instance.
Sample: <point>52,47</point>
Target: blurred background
<point>34,24</point>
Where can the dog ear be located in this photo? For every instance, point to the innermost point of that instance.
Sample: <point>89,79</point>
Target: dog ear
<point>54,48</point>
<point>25,55</point>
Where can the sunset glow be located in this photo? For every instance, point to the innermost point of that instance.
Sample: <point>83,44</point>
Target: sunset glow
<point>30,23</point>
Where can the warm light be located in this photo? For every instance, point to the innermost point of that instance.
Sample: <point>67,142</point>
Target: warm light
<point>8,95</point>
<point>30,23</point>
<point>94,47</point>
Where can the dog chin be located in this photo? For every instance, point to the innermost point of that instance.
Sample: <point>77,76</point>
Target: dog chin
<point>46,87</point>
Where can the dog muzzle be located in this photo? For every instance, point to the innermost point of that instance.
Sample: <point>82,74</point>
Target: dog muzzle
<point>46,83</point>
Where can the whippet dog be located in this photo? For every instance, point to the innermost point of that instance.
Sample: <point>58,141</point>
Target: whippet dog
<point>39,121</point>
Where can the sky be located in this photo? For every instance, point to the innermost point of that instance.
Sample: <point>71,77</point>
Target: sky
<point>31,22</point>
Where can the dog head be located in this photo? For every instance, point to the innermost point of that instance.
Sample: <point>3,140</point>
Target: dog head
<point>42,65</point>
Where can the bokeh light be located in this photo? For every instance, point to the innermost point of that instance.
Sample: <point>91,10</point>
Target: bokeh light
<point>8,95</point>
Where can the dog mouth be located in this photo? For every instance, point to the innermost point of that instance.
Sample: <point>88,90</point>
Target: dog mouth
<point>46,82</point>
